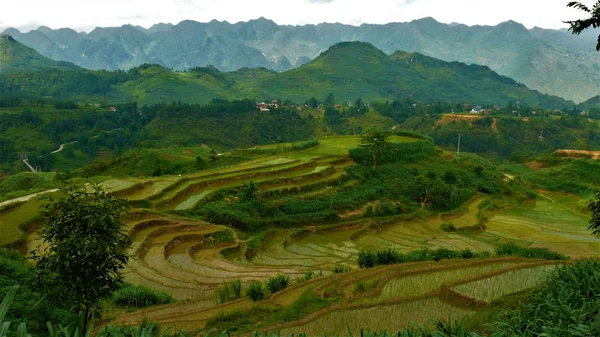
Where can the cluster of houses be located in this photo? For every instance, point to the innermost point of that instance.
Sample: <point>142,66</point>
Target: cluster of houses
<point>479,110</point>
<point>266,107</point>
<point>275,104</point>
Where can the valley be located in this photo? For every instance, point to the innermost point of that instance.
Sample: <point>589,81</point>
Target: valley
<point>175,251</point>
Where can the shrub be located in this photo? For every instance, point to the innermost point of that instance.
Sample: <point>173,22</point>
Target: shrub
<point>448,227</point>
<point>467,254</point>
<point>309,275</point>
<point>278,283</point>
<point>363,286</point>
<point>340,269</point>
<point>139,297</point>
<point>366,259</point>
<point>529,253</point>
<point>255,291</point>
<point>229,291</point>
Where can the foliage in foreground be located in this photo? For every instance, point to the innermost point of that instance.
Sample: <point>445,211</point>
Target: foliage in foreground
<point>567,304</point>
<point>86,243</point>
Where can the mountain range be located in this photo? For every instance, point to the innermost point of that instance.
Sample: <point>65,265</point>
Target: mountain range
<point>551,61</point>
<point>349,70</point>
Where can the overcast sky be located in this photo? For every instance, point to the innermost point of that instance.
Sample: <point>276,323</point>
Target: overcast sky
<point>86,14</point>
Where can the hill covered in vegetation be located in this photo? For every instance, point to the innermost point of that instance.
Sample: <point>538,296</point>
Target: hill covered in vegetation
<point>16,57</point>
<point>348,70</point>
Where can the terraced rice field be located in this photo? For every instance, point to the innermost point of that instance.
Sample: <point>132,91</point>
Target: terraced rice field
<point>421,284</point>
<point>492,288</point>
<point>393,317</point>
<point>11,220</point>
<point>178,254</point>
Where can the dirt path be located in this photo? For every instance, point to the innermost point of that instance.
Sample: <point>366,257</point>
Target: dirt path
<point>574,153</point>
<point>27,197</point>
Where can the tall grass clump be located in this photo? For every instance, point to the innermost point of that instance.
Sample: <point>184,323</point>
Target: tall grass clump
<point>255,291</point>
<point>340,269</point>
<point>391,256</point>
<point>278,283</point>
<point>228,292</point>
<point>529,253</point>
<point>309,275</point>
<point>566,304</point>
<point>140,297</point>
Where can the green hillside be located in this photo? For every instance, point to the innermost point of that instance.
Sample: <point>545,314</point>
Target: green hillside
<point>15,57</point>
<point>591,104</point>
<point>356,69</point>
<point>349,71</point>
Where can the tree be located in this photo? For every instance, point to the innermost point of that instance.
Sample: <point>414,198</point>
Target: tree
<point>213,156</point>
<point>579,26</point>
<point>84,249</point>
<point>595,222</point>
<point>329,101</point>
<point>249,191</point>
<point>200,162</point>
<point>377,140</point>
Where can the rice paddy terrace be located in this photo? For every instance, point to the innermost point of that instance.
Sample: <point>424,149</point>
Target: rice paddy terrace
<point>176,252</point>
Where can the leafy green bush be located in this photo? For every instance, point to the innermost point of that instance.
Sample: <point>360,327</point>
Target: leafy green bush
<point>28,305</point>
<point>140,297</point>
<point>278,283</point>
<point>340,269</point>
<point>309,275</point>
<point>448,227</point>
<point>255,291</point>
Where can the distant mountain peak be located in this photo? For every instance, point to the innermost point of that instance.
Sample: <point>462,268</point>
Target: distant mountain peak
<point>355,47</point>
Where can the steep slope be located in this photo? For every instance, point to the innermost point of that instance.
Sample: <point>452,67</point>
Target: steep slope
<point>551,61</point>
<point>592,103</point>
<point>355,69</point>
<point>15,57</point>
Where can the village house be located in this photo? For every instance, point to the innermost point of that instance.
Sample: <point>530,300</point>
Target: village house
<point>477,110</point>
<point>266,107</point>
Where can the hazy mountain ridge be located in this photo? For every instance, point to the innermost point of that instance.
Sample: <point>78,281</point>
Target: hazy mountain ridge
<point>552,61</point>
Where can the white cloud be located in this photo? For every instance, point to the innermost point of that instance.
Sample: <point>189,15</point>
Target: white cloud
<point>84,15</point>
